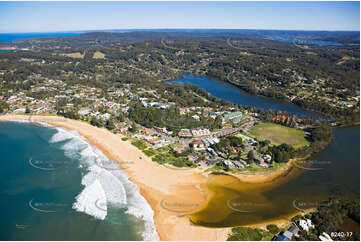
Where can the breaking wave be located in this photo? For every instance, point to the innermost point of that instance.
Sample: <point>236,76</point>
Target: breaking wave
<point>103,187</point>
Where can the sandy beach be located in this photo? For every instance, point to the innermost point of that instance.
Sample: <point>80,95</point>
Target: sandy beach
<point>171,193</point>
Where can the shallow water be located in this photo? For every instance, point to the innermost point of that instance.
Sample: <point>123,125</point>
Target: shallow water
<point>238,203</point>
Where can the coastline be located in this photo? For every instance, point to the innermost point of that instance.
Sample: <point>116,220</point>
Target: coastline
<point>156,183</point>
<point>172,194</point>
<point>265,177</point>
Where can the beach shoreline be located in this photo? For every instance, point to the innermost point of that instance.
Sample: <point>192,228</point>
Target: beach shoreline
<point>171,193</point>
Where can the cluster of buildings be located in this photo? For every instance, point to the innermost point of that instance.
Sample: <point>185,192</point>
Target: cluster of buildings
<point>286,120</point>
<point>202,144</point>
<point>18,102</point>
<point>194,133</point>
<point>293,231</point>
<point>317,89</point>
<point>155,141</point>
<point>89,102</point>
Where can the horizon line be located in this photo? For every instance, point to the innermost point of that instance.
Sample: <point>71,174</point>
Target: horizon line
<point>149,29</point>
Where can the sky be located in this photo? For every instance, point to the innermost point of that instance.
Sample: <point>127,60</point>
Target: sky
<point>18,17</point>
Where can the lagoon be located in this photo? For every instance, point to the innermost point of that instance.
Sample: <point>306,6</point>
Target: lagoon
<point>244,203</point>
<point>231,93</point>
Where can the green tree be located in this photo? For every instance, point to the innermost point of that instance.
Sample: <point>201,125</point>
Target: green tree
<point>96,122</point>
<point>245,234</point>
<point>133,127</point>
<point>109,124</point>
<point>273,228</point>
<point>250,156</point>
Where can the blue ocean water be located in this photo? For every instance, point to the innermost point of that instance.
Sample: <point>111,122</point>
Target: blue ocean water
<point>11,37</point>
<point>45,170</point>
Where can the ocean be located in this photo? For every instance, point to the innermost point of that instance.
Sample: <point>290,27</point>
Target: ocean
<point>54,185</point>
<point>8,37</point>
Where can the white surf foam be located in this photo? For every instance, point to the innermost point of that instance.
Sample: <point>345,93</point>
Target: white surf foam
<point>61,135</point>
<point>114,183</point>
<point>92,200</point>
<point>113,188</point>
<point>18,121</point>
<point>139,207</point>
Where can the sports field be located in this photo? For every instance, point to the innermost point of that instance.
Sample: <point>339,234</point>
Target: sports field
<point>279,134</point>
<point>98,55</point>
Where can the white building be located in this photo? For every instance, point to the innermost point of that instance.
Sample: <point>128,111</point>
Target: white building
<point>84,111</point>
<point>305,224</point>
<point>201,131</point>
<point>20,110</point>
<point>195,117</point>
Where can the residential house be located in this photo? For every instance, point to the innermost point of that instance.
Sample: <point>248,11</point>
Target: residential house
<point>198,145</point>
<point>305,224</point>
<point>84,111</point>
<point>196,117</point>
<point>193,157</point>
<point>145,131</point>
<point>267,158</point>
<point>289,234</point>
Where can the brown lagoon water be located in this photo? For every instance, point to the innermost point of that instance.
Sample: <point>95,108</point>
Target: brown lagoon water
<point>336,173</point>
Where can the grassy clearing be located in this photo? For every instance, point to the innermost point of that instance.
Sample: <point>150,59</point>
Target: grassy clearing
<point>98,55</point>
<point>245,53</point>
<point>345,59</point>
<point>140,144</point>
<point>279,134</point>
<point>254,168</point>
<point>349,58</point>
<point>75,55</point>
<point>249,234</point>
<point>149,152</point>
<point>161,155</point>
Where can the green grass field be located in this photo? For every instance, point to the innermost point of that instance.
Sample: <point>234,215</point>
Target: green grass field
<point>75,55</point>
<point>279,134</point>
<point>98,55</point>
